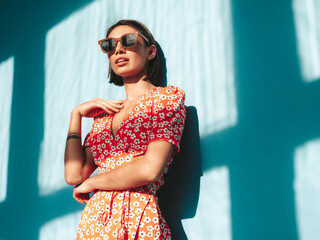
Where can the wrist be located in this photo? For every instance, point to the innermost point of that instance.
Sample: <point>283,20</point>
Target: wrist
<point>75,113</point>
<point>75,122</point>
<point>89,184</point>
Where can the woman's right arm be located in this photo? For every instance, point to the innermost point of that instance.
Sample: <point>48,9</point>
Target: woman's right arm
<point>78,161</point>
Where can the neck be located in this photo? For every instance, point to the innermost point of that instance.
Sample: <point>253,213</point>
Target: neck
<point>135,87</point>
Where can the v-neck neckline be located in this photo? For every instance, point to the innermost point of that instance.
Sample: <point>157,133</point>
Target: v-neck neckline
<point>126,118</point>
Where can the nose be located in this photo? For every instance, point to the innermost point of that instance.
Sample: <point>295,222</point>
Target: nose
<point>119,48</point>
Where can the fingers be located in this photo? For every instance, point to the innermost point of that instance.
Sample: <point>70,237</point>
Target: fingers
<point>118,101</point>
<point>113,106</point>
<point>104,107</point>
<point>81,197</point>
<point>110,105</point>
<point>97,106</point>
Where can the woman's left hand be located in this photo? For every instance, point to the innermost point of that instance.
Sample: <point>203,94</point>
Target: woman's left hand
<point>81,192</point>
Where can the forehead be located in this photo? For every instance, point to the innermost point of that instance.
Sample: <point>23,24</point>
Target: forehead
<point>120,30</point>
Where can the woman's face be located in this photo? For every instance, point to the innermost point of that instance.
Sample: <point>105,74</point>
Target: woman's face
<point>128,62</point>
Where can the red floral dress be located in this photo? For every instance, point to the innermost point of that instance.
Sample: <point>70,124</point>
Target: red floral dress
<point>134,213</point>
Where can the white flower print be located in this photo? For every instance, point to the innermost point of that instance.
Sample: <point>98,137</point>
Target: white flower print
<point>159,115</point>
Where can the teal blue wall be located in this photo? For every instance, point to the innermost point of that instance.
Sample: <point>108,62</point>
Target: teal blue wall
<point>242,65</point>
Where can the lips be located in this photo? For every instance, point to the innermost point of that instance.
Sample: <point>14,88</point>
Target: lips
<point>121,60</point>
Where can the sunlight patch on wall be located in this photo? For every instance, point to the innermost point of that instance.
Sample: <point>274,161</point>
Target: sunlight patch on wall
<point>198,47</point>
<point>200,59</point>
<point>75,71</point>
<point>307,189</point>
<point>6,83</point>
<point>62,228</point>
<point>213,217</point>
<point>307,21</point>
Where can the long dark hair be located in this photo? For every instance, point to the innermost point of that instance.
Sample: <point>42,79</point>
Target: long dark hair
<point>155,67</point>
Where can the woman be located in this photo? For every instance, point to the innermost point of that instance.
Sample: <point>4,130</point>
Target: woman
<point>132,142</point>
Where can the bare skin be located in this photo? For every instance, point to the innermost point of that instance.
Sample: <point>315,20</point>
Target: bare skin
<point>79,164</point>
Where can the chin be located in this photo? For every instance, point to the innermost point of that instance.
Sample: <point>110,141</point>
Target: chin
<point>129,74</point>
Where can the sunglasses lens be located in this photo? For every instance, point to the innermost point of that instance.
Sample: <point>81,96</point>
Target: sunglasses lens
<point>108,45</point>
<point>129,40</point>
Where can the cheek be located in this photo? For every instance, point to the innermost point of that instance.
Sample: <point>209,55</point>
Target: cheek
<point>141,58</point>
<point>111,62</point>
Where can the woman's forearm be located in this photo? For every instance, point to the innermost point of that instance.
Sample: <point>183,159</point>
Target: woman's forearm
<point>79,163</point>
<point>134,174</point>
<point>74,155</point>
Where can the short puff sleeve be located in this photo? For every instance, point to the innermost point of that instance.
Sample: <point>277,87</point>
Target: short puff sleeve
<point>168,116</point>
<point>88,140</point>
<point>97,126</point>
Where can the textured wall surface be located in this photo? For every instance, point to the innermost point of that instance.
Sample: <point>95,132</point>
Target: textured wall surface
<point>250,70</point>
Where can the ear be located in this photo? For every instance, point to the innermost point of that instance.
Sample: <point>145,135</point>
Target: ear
<point>152,52</point>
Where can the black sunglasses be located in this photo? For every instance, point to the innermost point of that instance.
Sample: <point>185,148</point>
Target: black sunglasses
<point>128,40</point>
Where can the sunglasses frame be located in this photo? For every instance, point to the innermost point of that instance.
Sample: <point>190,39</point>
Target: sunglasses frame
<point>120,38</point>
